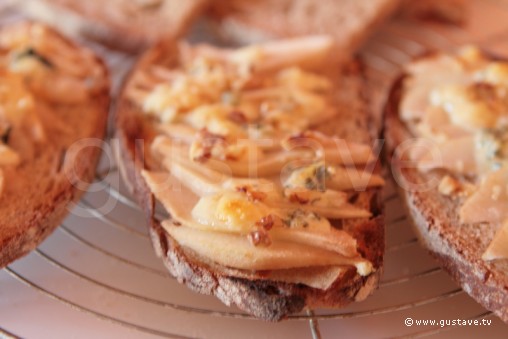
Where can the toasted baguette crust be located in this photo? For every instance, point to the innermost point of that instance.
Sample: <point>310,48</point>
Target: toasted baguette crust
<point>29,215</point>
<point>111,24</point>
<point>458,248</point>
<point>349,21</point>
<point>262,298</point>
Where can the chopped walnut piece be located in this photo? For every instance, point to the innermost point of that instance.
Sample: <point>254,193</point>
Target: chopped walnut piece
<point>238,117</point>
<point>449,186</point>
<point>259,238</point>
<point>269,222</point>
<point>299,196</point>
<point>207,145</point>
<point>252,194</point>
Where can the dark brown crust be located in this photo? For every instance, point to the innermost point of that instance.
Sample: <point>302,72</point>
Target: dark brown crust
<point>50,208</point>
<point>456,247</point>
<point>262,298</point>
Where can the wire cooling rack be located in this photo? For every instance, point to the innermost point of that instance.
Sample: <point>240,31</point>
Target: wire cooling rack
<point>97,275</point>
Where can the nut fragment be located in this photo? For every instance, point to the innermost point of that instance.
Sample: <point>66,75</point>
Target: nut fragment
<point>299,196</point>
<point>252,194</point>
<point>207,145</point>
<point>449,186</point>
<point>259,238</point>
<point>238,117</point>
<point>268,222</point>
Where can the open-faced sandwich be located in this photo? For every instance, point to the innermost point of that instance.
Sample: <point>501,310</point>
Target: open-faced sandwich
<point>264,161</point>
<point>447,128</point>
<point>54,100</point>
<point>125,24</point>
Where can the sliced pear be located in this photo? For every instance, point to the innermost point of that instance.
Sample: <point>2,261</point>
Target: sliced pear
<point>178,131</point>
<point>333,240</point>
<point>345,179</point>
<point>188,209</point>
<point>203,181</point>
<point>332,149</point>
<point>237,252</point>
<point>498,248</point>
<point>490,202</point>
<point>270,164</point>
<point>271,56</point>
<point>457,155</point>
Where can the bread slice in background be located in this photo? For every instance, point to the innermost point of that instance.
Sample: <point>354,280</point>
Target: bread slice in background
<point>350,22</point>
<point>129,25</point>
<point>54,173</point>
<point>456,246</point>
<point>255,292</point>
<point>453,12</point>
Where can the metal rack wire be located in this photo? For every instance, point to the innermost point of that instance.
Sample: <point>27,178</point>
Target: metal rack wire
<point>80,260</point>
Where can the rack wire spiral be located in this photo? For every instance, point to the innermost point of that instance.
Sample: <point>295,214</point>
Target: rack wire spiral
<point>98,271</point>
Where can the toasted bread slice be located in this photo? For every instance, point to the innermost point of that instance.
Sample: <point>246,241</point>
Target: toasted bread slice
<point>55,101</point>
<point>124,24</point>
<point>270,294</point>
<point>436,198</point>
<point>350,22</point>
<point>453,12</point>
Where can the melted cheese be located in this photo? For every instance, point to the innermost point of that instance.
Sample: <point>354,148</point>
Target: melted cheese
<point>229,211</point>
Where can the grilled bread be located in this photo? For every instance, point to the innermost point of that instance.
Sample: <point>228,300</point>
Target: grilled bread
<point>446,126</point>
<point>264,161</point>
<point>350,22</point>
<point>54,99</point>
<point>129,25</point>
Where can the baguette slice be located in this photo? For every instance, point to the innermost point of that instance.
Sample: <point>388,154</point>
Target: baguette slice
<point>58,142</point>
<point>458,247</point>
<point>350,22</point>
<point>129,25</point>
<point>269,295</point>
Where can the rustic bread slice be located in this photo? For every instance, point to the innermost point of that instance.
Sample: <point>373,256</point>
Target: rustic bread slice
<point>255,292</point>
<point>350,22</point>
<point>125,24</point>
<point>440,11</point>
<point>53,173</point>
<point>457,247</point>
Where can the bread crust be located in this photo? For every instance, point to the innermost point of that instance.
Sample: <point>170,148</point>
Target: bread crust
<point>115,26</point>
<point>457,248</point>
<point>265,299</point>
<point>244,21</point>
<point>33,214</point>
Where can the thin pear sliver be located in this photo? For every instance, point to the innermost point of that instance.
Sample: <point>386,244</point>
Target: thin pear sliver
<point>179,201</point>
<point>235,251</point>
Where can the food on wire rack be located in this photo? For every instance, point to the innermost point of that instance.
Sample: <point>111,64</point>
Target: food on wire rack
<point>455,173</point>
<point>54,100</point>
<point>264,159</point>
